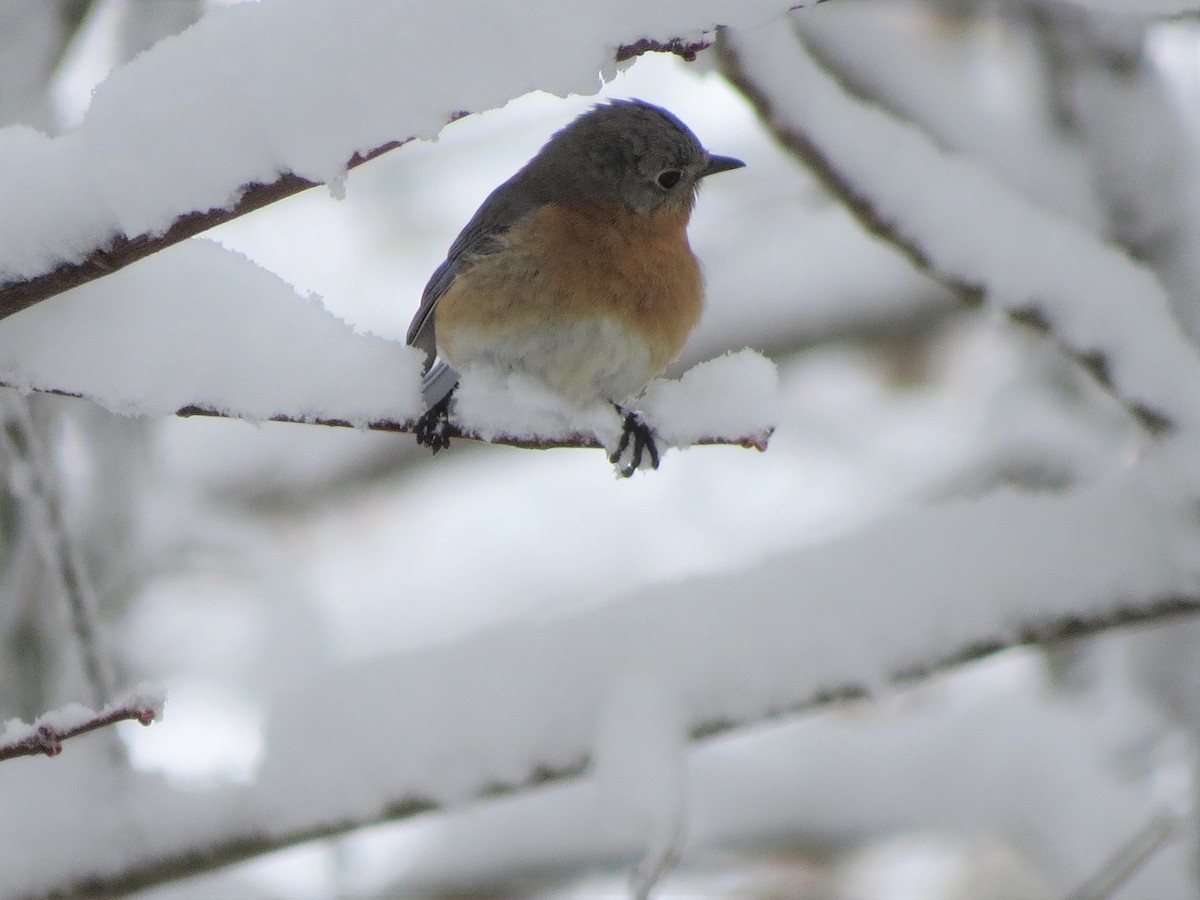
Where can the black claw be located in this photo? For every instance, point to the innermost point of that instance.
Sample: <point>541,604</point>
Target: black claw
<point>624,443</point>
<point>652,447</point>
<point>638,439</point>
<point>431,429</point>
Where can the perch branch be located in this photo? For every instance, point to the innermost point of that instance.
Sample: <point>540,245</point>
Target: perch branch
<point>578,440</point>
<point>236,848</point>
<point>756,441</point>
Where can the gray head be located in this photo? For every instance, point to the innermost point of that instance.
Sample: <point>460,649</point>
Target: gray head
<point>627,152</point>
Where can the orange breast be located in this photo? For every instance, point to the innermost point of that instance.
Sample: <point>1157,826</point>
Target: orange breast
<point>567,262</point>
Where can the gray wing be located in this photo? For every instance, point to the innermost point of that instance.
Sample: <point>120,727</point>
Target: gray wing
<point>500,211</point>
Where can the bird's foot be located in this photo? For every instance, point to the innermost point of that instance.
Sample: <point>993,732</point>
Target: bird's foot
<point>636,444</point>
<point>432,429</point>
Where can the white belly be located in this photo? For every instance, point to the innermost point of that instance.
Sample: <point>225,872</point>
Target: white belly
<point>586,361</point>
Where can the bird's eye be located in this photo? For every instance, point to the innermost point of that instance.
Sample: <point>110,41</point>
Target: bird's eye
<point>669,178</point>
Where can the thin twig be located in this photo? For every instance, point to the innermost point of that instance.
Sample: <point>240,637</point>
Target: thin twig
<point>45,738</point>
<point>1129,858</point>
<point>661,857</point>
<point>35,484</point>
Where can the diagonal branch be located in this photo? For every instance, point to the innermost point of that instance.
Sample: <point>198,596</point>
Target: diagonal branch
<point>122,250</point>
<point>859,202</point>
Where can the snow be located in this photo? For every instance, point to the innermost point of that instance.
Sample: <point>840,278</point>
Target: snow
<point>201,325</point>
<point>937,760</point>
<point>493,403</point>
<point>1101,301</point>
<point>519,557</point>
<point>442,725</point>
<point>286,98</point>
<point>848,448</point>
<point>867,46</point>
<point>61,215</point>
<point>61,719</point>
<point>71,716</point>
<point>1083,554</point>
<point>1138,7</point>
<point>161,335</point>
<point>640,763</point>
<point>198,324</point>
<point>734,396</point>
<point>148,697</point>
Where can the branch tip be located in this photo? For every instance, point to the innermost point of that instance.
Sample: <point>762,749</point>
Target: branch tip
<point>44,738</point>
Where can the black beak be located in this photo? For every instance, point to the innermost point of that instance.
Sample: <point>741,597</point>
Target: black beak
<point>720,164</point>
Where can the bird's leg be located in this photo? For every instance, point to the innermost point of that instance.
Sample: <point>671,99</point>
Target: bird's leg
<point>431,429</point>
<point>638,439</point>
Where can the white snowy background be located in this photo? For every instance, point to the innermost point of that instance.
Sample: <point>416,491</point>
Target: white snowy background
<point>350,632</point>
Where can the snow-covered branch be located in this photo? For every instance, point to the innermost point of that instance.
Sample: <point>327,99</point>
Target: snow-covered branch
<point>154,340</point>
<point>1031,265</point>
<point>1109,98</point>
<point>729,400</point>
<point>572,440</point>
<point>246,143</point>
<point>116,251</point>
<point>234,847</point>
<point>135,178</point>
<point>45,736</point>
<point>820,624</point>
<point>642,653</point>
<point>119,250</point>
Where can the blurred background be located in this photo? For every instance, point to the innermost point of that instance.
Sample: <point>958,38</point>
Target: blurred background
<point>232,562</point>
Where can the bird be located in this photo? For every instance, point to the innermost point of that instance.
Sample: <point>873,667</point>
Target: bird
<point>576,271</point>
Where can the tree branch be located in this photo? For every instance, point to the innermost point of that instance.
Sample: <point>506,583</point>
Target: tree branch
<point>239,847</point>
<point>757,441</point>
<point>578,440</point>
<point>792,137</point>
<point>46,735</point>
<point>122,250</point>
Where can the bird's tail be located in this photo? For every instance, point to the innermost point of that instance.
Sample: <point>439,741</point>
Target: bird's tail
<point>437,383</point>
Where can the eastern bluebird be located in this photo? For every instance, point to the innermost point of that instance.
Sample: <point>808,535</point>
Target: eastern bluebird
<point>576,271</point>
